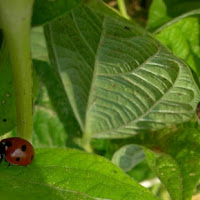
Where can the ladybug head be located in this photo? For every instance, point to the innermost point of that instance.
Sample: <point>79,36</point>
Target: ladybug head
<point>2,148</point>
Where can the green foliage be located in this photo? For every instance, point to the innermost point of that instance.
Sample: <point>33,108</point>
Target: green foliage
<point>108,86</point>
<point>45,11</point>
<point>128,156</point>
<point>51,80</point>
<point>175,160</point>
<point>48,130</point>
<point>127,82</point>
<point>186,34</point>
<point>69,174</point>
<point>162,11</point>
<point>38,44</point>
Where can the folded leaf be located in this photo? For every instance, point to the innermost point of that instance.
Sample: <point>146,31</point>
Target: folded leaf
<point>118,78</point>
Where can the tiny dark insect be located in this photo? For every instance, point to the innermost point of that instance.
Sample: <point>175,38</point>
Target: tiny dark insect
<point>127,28</point>
<point>16,151</point>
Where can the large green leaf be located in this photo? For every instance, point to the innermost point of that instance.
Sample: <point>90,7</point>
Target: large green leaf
<point>175,160</point>
<point>69,174</point>
<point>60,105</point>
<point>45,11</point>
<point>118,78</point>
<point>182,38</point>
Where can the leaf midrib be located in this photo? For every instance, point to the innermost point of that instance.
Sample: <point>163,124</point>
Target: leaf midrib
<point>91,91</point>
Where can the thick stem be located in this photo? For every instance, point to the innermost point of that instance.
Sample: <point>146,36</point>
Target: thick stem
<point>85,143</point>
<point>15,18</point>
<point>122,8</point>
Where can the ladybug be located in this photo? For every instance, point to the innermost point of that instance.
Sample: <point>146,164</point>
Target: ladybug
<point>16,151</point>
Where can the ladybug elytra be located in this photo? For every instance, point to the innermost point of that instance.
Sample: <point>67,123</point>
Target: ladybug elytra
<point>16,151</point>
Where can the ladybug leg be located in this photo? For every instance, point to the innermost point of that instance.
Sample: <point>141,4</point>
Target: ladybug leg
<point>2,156</point>
<point>8,165</point>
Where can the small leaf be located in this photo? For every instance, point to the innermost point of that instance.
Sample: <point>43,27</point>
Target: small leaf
<point>158,14</point>
<point>45,11</point>
<point>118,81</point>
<point>162,12</point>
<point>69,174</point>
<point>168,172</point>
<point>182,38</point>
<point>175,160</point>
<point>128,157</point>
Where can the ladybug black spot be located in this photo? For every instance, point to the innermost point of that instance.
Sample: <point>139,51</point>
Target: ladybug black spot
<point>23,147</point>
<point>4,120</point>
<point>18,159</point>
<point>8,143</point>
<point>32,157</point>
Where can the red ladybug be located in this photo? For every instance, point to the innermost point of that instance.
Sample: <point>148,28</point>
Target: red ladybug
<point>16,151</point>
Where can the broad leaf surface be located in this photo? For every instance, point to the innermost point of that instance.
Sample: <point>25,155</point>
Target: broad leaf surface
<point>69,174</point>
<point>182,38</point>
<point>45,11</point>
<point>57,97</point>
<point>128,156</point>
<point>174,158</point>
<point>38,44</point>
<point>118,79</point>
<point>157,15</point>
<point>7,95</point>
<point>162,11</point>
<point>48,131</point>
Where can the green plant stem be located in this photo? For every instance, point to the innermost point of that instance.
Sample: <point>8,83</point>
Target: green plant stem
<point>15,19</point>
<point>122,8</point>
<point>85,143</point>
